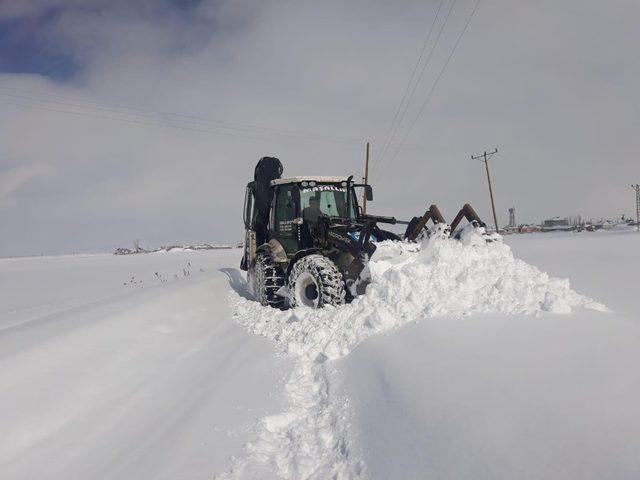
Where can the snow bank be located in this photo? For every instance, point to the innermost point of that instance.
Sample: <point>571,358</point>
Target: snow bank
<point>440,277</point>
<point>100,380</point>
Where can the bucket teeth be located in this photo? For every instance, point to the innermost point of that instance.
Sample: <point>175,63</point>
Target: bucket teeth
<point>418,224</point>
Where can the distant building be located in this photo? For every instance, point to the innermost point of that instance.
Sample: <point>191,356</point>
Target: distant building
<point>529,228</point>
<point>556,224</point>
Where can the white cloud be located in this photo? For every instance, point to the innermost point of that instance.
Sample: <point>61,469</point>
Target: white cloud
<point>14,178</point>
<point>552,85</point>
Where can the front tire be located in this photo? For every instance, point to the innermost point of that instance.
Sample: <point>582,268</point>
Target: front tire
<point>315,281</point>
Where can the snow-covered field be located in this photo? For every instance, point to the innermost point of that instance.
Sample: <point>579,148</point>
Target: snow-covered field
<point>460,362</point>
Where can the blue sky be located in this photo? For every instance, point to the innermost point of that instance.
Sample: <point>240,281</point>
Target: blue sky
<point>25,48</point>
<point>33,42</point>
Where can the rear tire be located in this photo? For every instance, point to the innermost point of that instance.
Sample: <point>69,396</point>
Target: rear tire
<point>268,278</point>
<point>315,281</point>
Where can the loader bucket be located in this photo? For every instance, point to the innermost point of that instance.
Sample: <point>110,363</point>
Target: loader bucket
<point>418,224</point>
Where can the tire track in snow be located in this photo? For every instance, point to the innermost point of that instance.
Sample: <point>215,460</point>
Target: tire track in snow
<point>309,439</point>
<point>440,277</point>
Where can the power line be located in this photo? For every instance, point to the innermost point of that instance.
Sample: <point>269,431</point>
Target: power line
<point>140,122</point>
<point>437,81</point>
<point>154,116</point>
<point>126,120</point>
<point>127,110</point>
<point>424,68</point>
<point>180,123</point>
<point>388,136</point>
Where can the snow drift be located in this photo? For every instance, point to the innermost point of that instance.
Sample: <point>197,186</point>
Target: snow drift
<point>439,277</point>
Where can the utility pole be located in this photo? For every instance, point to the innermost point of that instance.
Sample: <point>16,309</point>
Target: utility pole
<point>636,187</point>
<point>366,181</point>
<point>485,158</point>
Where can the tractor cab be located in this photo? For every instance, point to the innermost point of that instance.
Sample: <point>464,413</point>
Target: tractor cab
<point>301,204</point>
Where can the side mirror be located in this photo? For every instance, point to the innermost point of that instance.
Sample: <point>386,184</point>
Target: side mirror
<point>368,191</point>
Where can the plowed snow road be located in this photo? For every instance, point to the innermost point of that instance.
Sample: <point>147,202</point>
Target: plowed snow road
<point>121,381</point>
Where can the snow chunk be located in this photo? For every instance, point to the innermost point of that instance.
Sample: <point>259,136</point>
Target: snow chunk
<point>440,277</point>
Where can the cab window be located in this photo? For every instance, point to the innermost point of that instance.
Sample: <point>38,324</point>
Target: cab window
<point>285,208</point>
<point>332,200</point>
